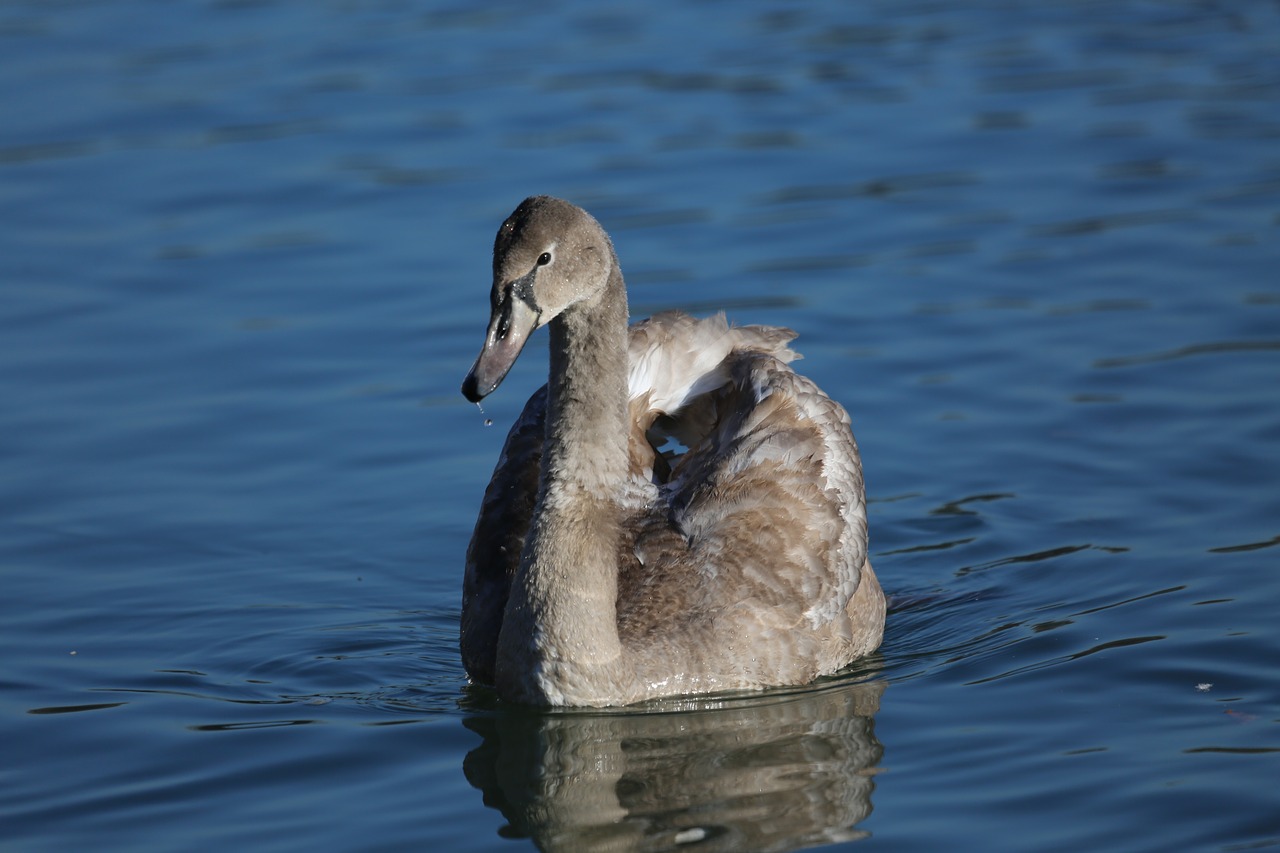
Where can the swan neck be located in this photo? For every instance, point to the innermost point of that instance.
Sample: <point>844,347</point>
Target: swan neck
<point>559,642</point>
<point>587,402</point>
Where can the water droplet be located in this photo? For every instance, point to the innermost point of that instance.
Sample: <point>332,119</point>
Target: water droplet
<point>487,421</point>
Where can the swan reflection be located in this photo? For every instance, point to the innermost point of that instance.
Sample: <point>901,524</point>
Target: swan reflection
<point>778,772</point>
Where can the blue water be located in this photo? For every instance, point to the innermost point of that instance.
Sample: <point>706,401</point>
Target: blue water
<point>1033,248</point>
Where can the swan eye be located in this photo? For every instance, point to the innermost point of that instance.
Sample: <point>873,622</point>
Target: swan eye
<point>544,259</point>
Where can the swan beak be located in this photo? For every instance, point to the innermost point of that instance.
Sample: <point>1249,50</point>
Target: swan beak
<point>509,328</point>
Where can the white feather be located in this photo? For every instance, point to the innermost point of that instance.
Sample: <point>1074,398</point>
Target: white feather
<point>675,358</point>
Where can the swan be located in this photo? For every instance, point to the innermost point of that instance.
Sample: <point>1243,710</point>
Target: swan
<point>676,511</point>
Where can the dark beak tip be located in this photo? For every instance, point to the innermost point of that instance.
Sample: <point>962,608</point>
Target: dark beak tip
<point>471,390</point>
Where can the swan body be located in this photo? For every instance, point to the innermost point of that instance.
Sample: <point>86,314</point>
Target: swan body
<point>606,569</point>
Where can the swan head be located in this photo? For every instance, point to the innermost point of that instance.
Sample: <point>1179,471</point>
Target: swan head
<point>549,255</point>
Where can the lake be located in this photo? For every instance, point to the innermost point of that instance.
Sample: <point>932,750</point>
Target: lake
<point>1032,248</point>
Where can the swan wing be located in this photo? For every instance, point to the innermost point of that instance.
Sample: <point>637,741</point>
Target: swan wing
<point>769,501</point>
<point>675,358</point>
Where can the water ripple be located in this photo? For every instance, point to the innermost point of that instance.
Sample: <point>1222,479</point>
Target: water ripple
<point>1192,351</point>
<point>1249,546</point>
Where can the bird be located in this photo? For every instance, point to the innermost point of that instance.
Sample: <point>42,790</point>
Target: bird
<point>676,512</point>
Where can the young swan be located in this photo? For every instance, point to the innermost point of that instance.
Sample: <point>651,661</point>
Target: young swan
<point>604,570</point>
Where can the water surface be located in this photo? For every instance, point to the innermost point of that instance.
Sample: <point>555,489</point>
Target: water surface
<point>1031,247</point>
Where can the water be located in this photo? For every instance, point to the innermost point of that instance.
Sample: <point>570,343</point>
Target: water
<point>244,261</point>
